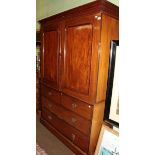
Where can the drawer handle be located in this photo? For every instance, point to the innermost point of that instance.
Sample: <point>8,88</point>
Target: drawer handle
<point>73,137</point>
<point>74,105</point>
<point>74,120</point>
<point>49,93</point>
<point>49,117</point>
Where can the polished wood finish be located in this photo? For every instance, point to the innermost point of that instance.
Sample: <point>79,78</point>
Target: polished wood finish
<point>64,139</point>
<point>50,59</point>
<point>51,94</point>
<point>38,104</point>
<point>94,7</point>
<point>81,37</point>
<point>97,121</point>
<point>81,108</point>
<point>78,38</point>
<point>110,27</point>
<point>71,133</point>
<point>74,67</point>
<point>69,117</point>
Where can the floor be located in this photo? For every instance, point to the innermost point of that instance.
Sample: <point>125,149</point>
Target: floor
<point>49,142</point>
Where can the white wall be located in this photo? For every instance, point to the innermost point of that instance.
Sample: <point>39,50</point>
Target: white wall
<point>46,8</point>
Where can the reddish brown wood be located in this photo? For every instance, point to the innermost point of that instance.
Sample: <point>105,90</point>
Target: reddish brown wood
<point>78,38</point>
<point>110,29</point>
<point>80,57</point>
<point>51,94</point>
<point>75,49</point>
<point>65,140</point>
<point>77,106</point>
<point>38,104</point>
<point>50,52</point>
<point>71,118</point>
<point>71,133</point>
<point>50,56</point>
<point>97,121</point>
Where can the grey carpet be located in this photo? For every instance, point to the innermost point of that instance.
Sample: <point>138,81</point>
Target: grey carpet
<point>49,142</point>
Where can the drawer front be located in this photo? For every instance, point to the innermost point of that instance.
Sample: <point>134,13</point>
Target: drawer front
<point>51,94</point>
<point>76,121</point>
<point>68,131</point>
<point>79,107</point>
<point>71,118</point>
<point>48,104</point>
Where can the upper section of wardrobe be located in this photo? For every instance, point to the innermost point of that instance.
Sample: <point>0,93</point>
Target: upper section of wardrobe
<point>75,50</point>
<point>97,6</point>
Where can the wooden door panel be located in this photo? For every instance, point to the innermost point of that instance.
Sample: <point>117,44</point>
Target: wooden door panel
<point>51,59</point>
<point>78,58</point>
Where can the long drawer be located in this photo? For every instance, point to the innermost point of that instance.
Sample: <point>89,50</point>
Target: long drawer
<point>79,107</point>
<point>51,94</point>
<point>71,118</point>
<point>68,131</point>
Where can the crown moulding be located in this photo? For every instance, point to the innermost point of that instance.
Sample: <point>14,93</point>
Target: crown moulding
<point>102,6</point>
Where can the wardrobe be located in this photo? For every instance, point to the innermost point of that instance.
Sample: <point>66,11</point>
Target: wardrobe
<point>75,47</point>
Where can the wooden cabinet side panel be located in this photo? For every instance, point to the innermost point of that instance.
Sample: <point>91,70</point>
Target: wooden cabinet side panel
<point>97,121</point>
<point>110,31</point>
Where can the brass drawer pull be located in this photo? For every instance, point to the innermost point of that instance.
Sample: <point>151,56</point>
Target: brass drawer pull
<point>74,120</point>
<point>74,105</point>
<point>49,117</point>
<point>73,137</point>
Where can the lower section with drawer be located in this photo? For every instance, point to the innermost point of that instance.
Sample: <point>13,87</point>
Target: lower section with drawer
<point>76,137</point>
<point>51,94</point>
<point>74,122</point>
<point>79,107</point>
<point>78,122</point>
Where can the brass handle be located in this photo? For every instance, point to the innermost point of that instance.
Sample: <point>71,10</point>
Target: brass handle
<point>74,120</point>
<point>74,105</point>
<point>49,93</point>
<point>73,137</point>
<point>49,117</point>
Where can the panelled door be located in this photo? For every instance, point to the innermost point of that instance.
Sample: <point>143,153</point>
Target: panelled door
<point>50,55</point>
<point>80,57</point>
